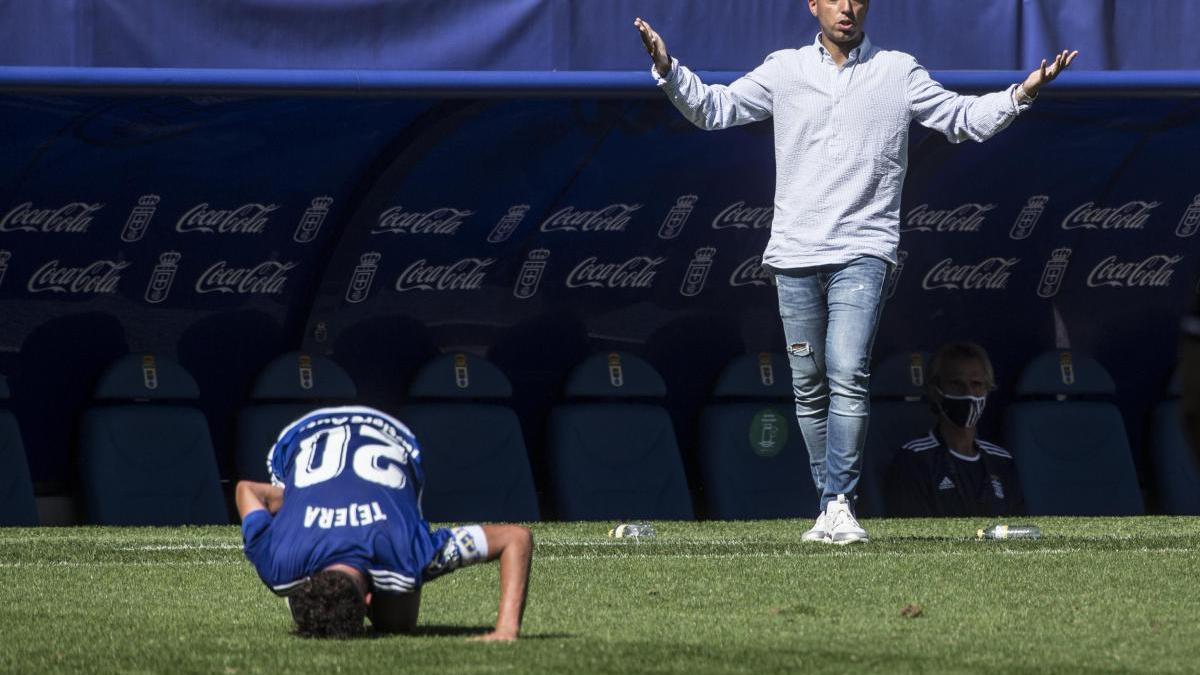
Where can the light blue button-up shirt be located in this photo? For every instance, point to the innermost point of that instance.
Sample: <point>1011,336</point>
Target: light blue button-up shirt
<point>841,141</point>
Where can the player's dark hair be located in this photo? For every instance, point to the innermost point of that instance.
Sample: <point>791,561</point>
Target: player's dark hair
<point>329,605</point>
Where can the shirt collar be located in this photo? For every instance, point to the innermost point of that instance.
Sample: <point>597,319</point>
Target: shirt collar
<point>863,49</point>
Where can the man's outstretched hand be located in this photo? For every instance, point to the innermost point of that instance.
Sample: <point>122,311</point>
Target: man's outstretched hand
<point>1045,74</point>
<point>655,47</point>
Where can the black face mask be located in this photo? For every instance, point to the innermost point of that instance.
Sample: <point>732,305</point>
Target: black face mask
<point>962,411</point>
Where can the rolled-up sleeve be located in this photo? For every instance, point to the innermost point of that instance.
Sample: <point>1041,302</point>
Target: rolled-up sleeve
<point>959,117</point>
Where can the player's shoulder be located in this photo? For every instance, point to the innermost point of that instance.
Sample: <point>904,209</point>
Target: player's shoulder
<point>993,449</point>
<point>921,444</point>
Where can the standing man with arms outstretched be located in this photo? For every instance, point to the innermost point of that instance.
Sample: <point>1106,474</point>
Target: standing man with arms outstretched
<point>339,530</point>
<point>842,109</point>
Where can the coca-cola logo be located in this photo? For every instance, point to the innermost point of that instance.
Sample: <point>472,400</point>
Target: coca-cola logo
<point>637,272</point>
<point>1129,216</point>
<point>266,278</point>
<point>245,219</point>
<point>750,273</point>
<point>741,217</point>
<point>964,218</point>
<point>464,275</point>
<point>101,276</point>
<point>612,218</point>
<point>72,218</point>
<point>1152,272</point>
<point>444,221</point>
<point>991,274</point>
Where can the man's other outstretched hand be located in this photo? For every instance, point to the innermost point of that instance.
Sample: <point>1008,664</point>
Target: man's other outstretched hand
<point>1045,74</point>
<point>655,47</point>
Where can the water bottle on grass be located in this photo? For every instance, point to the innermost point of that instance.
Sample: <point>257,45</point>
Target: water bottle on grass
<point>639,530</point>
<point>1009,532</point>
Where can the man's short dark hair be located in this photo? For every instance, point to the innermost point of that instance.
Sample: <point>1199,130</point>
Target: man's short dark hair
<point>329,605</point>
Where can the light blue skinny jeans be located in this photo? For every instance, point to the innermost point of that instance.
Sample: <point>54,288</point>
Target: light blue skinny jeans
<point>830,315</point>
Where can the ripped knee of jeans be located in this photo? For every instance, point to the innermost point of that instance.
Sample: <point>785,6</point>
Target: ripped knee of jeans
<point>800,349</point>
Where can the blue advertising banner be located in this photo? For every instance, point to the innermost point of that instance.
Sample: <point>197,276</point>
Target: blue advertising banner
<point>579,35</point>
<point>224,230</point>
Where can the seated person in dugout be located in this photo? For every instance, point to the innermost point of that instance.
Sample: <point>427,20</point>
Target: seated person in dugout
<point>339,532</point>
<point>950,471</point>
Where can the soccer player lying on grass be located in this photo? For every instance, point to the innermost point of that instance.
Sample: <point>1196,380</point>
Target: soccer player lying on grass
<point>339,530</point>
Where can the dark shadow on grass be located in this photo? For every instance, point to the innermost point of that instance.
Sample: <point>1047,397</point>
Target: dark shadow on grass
<point>434,630</point>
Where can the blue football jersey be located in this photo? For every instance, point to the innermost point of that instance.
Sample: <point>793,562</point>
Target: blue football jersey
<point>352,483</point>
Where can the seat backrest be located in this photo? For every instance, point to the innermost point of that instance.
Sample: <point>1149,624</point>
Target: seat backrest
<point>899,413</point>
<point>17,505</point>
<point>146,457</point>
<point>289,387</point>
<point>473,451</point>
<point>610,455</point>
<point>1176,476</point>
<point>752,457</point>
<point>1069,444</point>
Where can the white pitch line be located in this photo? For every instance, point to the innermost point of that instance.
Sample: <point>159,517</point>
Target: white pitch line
<point>128,563</point>
<point>182,547</point>
<point>842,553</point>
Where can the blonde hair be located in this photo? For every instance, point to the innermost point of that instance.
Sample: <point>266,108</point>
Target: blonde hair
<point>959,351</point>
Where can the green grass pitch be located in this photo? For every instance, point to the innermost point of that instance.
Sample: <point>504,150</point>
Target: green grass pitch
<point>1094,595</point>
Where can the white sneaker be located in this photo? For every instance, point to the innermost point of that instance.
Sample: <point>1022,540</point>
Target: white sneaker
<point>843,528</point>
<point>818,532</point>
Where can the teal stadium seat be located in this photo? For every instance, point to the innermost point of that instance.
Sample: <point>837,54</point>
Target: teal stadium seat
<point>291,386</point>
<point>1176,477</point>
<point>472,448</point>
<point>1068,440</point>
<point>17,505</point>
<point>611,455</point>
<point>899,413</point>
<point>752,457</point>
<point>146,457</point>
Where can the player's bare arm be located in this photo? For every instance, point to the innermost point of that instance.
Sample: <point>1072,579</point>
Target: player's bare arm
<point>1046,72</point>
<point>513,545</point>
<point>253,496</point>
<point>655,47</point>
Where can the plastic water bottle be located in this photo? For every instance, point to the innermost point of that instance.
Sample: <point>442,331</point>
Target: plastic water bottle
<point>639,530</point>
<point>1009,532</point>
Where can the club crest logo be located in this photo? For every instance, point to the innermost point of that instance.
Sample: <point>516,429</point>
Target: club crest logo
<point>677,217</point>
<point>1029,216</point>
<point>162,277</point>
<point>1053,273</point>
<point>530,276</point>
<point>139,218</point>
<point>508,224</point>
<point>360,281</point>
<point>697,272</point>
<point>310,223</point>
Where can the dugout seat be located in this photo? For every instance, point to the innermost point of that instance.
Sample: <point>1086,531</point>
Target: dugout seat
<point>1176,477</point>
<point>290,386</point>
<point>611,449</point>
<point>752,457</point>
<point>146,457</point>
<point>17,505</point>
<point>1068,440</point>
<point>899,413</point>
<point>472,449</point>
